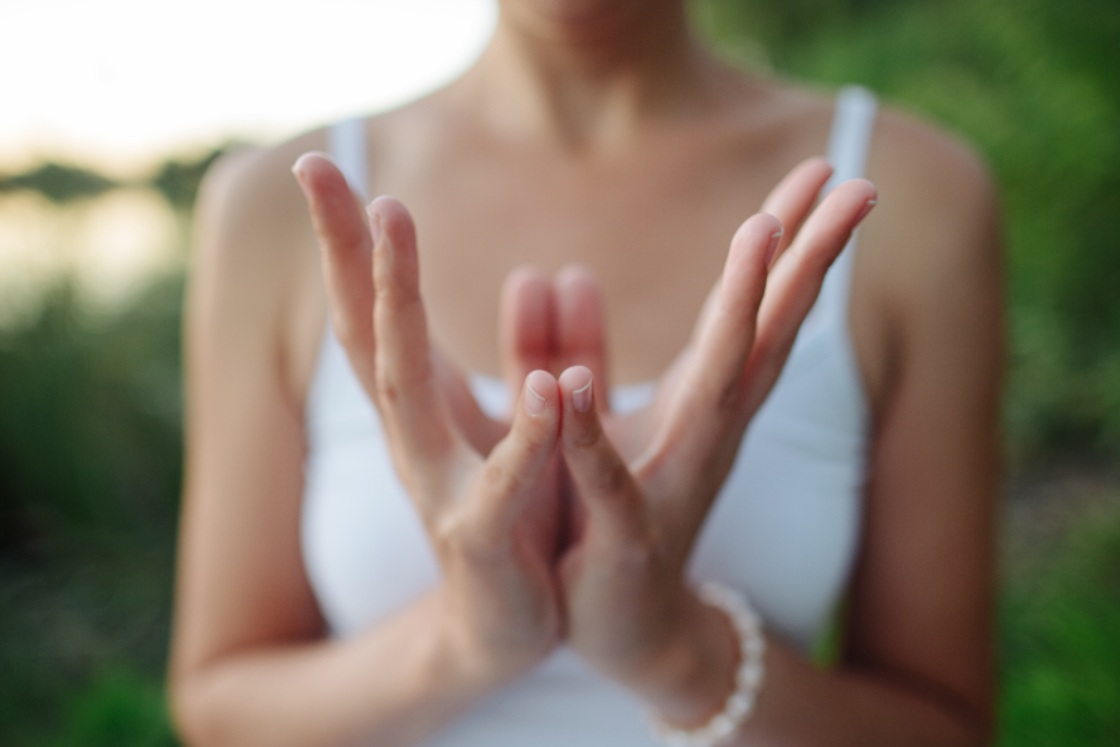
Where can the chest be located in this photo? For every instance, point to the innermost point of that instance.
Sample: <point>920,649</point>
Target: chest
<point>654,230</point>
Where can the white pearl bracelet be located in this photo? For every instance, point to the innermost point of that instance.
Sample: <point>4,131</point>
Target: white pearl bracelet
<point>748,677</point>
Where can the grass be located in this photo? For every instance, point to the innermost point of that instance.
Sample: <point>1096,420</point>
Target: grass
<point>1060,617</point>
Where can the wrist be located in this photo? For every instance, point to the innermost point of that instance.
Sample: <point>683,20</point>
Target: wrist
<point>481,663</point>
<point>739,703</point>
<point>692,678</point>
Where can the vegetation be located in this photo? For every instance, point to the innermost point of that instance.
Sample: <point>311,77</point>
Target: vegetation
<point>90,409</point>
<point>1060,610</point>
<point>89,480</point>
<point>176,180</point>
<point>1032,84</point>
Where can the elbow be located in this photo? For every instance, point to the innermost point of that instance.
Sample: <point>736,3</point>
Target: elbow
<point>975,727</point>
<point>984,731</point>
<point>188,718</point>
<point>196,713</point>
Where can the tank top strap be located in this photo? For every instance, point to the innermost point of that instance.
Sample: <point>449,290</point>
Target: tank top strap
<point>346,145</point>
<point>848,146</point>
<point>850,139</point>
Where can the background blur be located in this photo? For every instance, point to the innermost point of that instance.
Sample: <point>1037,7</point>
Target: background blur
<point>112,111</point>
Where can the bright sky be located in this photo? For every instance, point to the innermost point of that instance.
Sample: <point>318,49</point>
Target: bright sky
<point>117,84</point>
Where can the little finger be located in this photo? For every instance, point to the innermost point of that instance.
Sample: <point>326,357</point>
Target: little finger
<point>796,282</point>
<point>344,239</point>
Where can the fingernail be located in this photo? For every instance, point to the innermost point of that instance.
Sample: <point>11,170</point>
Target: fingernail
<point>534,402</point>
<point>298,172</point>
<point>374,223</point>
<point>581,398</point>
<point>772,247</point>
<point>867,208</point>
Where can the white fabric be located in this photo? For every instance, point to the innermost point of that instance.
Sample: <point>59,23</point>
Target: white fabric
<point>784,530</point>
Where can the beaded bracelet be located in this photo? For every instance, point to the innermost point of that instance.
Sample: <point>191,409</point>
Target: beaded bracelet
<point>748,676</point>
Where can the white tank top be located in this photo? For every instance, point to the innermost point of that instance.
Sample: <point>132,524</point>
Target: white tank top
<point>784,529</point>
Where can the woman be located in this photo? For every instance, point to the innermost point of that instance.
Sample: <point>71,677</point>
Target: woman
<point>535,581</point>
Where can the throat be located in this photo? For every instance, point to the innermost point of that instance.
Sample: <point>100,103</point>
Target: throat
<point>556,73</point>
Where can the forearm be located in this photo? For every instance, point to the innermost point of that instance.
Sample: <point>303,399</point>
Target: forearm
<point>393,685</point>
<point>802,704</point>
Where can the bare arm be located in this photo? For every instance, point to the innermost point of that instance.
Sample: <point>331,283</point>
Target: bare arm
<point>918,665</point>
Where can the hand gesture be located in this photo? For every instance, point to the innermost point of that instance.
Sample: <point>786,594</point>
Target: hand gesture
<point>630,613</point>
<point>487,497</point>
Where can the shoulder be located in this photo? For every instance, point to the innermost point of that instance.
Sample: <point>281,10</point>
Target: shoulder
<point>252,194</point>
<point>933,242</point>
<point>254,275</point>
<point>938,206</point>
<point>928,270</point>
<point>249,199</point>
<point>256,281</point>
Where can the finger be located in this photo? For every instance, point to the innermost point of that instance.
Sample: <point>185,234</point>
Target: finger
<point>581,326</point>
<point>792,200</point>
<point>344,239</point>
<point>606,488</point>
<point>704,421</point>
<point>527,321</point>
<point>796,282</point>
<point>513,472</point>
<point>479,429</point>
<point>421,436</point>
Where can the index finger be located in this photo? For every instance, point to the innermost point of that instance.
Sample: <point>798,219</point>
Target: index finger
<point>695,446</point>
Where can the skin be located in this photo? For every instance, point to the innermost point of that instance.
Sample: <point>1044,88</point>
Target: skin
<point>651,150</point>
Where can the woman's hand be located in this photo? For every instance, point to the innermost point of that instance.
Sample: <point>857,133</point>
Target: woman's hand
<point>502,606</point>
<point>630,613</point>
<point>790,202</point>
<point>492,517</point>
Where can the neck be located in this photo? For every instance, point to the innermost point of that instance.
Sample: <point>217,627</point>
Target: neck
<point>589,73</point>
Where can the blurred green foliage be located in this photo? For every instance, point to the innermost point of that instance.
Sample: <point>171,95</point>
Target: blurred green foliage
<point>89,417</point>
<point>58,183</point>
<point>176,180</point>
<point>119,708</point>
<point>90,454</point>
<point>90,401</point>
<point>1035,85</point>
<point>1061,662</point>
